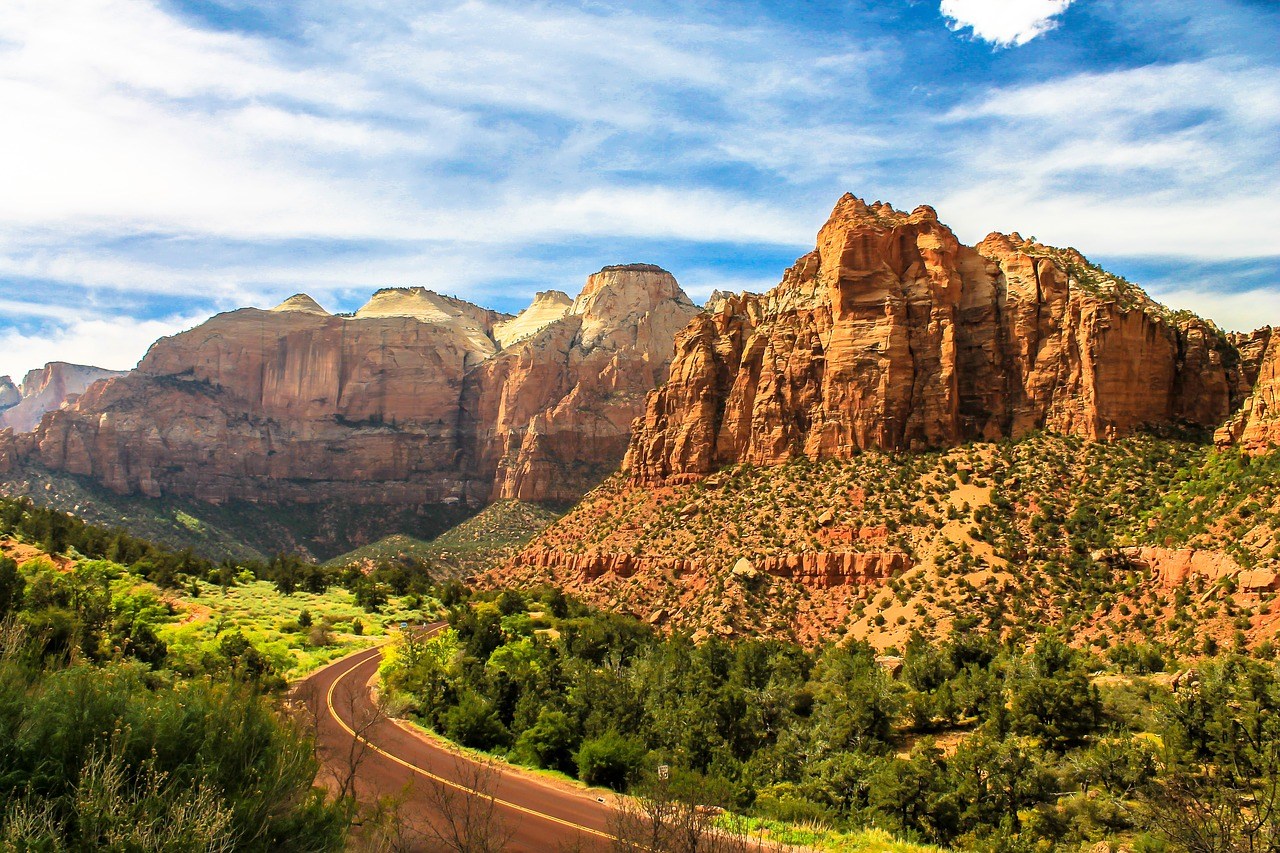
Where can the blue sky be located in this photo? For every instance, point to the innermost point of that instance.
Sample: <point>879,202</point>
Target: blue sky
<point>162,160</point>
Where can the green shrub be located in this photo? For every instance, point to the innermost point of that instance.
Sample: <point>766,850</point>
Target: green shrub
<point>611,760</point>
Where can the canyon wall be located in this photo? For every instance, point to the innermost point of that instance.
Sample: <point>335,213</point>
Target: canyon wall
<point>1256,427</point>
<point>411,400</point>
<point>893,335</point>
<point>550,417</point>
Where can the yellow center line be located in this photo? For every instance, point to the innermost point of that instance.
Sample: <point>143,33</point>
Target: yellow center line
<point>449,782</point>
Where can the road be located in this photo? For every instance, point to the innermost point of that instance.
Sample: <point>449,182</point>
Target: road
<point>540,815</point>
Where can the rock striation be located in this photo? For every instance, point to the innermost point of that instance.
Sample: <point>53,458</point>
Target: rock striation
<point>820,570</point>
<point>45,389</point>
<point>414,399</point>
<point>1256,427</point>
<point>892,334</point>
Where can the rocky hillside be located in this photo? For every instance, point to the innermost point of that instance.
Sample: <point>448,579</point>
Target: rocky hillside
<point>235,530</point>
<point>416,399</point>
<point>488,538</point>
<point>44,390</point>
<point>908,432</point>
<point>1140,538</point>
<point>892,334</point>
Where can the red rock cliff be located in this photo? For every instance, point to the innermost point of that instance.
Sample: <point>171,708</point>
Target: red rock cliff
<point>550,417</point>
<point>892,334</point>
<point>411,400</point>
<point>1256,427</point>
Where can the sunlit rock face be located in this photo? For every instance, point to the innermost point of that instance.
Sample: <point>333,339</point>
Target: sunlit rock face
<point>892,334</point>
<point>1256,427</point>
<point>297,404</point>
<point>551,416</point>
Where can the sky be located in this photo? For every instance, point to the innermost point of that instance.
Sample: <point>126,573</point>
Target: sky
<point>163,160</point>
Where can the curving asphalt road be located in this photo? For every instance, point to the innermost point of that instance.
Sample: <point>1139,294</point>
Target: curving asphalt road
<point>540,816</point>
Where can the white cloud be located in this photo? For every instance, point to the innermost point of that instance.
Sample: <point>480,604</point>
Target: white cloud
<point>1234,312</point>
<point>437,143</point>
<point>1004,23</point>
<point>1175,159</point>
<point>116,343</point>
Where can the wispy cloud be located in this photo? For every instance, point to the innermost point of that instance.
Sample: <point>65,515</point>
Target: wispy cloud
<point>116,343</point>
<point>1173,159</point>
<point>492,148</point>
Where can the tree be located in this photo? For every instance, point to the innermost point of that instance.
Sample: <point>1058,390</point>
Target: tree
<point>510,602</point>
<point>611,760</point>
<point>914,796</point>
<point>678,814</point>
<point>11,586</point>
<point>549,742</point>
<point>474,723</point>
<point>857,700</point>
<point>1053,698</point>
<point>463,816</point>
<point>994,781</point>
<point>1220,792</point>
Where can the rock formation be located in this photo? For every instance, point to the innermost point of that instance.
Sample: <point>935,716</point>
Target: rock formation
<point>51,387</point>
<point>301,303</point>
<point>891,334</point>
<point>1256,427</point>
<point>894,335</point>
<point>10,396</point>
<point>547,307</point>
<point>411,400</point>
<point>551,416</point>
<point>814,570</point>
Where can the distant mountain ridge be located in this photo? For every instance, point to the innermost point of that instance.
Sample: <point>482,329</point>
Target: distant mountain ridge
<point>415,399</point>
<point>45,389</point>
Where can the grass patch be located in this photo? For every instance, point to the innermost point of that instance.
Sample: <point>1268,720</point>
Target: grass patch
<point>819,837</point>
<point>271,622</point>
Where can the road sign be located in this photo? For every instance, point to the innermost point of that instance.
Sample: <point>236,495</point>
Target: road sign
<point>664,772</point>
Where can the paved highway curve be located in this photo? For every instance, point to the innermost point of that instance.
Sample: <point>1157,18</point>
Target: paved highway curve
<point>544,817</point>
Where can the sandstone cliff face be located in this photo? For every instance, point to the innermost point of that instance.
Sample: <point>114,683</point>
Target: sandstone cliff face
<point>48,388</point>
<point>274,406</point>
<point>391,405</point>
<point>1256,427</point>
<point>551,416</point>
<point>893,335</point>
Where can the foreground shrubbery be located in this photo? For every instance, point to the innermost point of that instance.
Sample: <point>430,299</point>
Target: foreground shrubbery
<point>110,756</point>
<point>102,746</point>
<point>976,743</point>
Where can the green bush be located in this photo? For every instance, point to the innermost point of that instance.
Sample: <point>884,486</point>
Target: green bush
<point>611,760</point>
<point>549,743</point>
<point>472,722</point>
